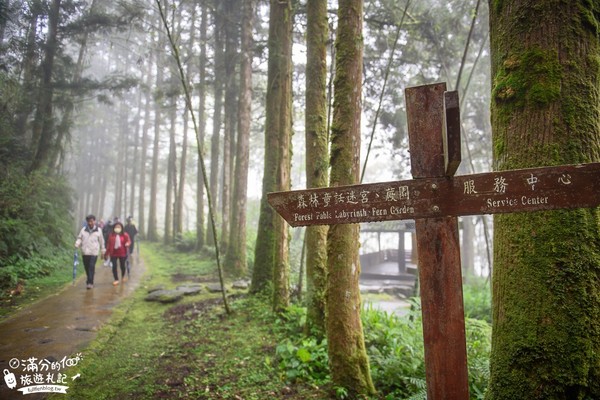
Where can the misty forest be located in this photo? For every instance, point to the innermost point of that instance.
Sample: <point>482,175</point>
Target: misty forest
<point>139,140</point>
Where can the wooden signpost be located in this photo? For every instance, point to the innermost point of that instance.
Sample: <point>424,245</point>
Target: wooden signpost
<point>434,198</point>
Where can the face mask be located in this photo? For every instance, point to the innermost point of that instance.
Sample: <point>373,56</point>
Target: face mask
<point>118,230</point>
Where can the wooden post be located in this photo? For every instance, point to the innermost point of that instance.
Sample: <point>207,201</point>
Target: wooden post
<point>438,253</point>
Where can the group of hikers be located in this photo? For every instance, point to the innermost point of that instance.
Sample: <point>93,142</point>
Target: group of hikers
<point>113,240</point>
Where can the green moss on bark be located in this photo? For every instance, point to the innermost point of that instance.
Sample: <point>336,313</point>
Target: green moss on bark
<point>317,160</point>
<point>546,314</point>
<point>546,280</point>
<point>530,78</point>
<point>262,273</point>
<point>347,355</point>
<point>272,239</point>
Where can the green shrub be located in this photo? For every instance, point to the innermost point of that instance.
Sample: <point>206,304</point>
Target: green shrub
<point>35,225</point>
<point>394,346</point>
<point>292,321</point>
<point>299,357</point>
<point>21,269</point>
<point>479,343</point>
<point>396,353</point>
<point>306,360</point>
<point>477,298</point>
<point>186,243</point>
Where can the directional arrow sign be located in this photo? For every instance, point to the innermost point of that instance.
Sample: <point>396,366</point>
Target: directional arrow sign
<point>534,189</point>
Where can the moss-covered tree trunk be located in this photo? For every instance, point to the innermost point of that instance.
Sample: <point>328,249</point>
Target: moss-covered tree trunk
<point>235,262</point>
<point>346,347</point>
<point>271,254</point>
<point>317,154</point>
<point>546,280</point>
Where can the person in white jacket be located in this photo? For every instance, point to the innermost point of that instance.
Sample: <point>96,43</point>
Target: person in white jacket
<point>91,241</point>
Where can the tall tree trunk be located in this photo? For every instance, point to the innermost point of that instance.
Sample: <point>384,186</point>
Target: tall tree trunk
<point>231,39</point>
<point>546,278</point>
<point>346,346</point>
<point>152,234</point>
<point>467,252</point>
<point>179,200</point>
<point>124,162</point>
<point>103,187</point>
<point>64,128</point>
<point>95,160</point>
<point>171,176</point>
<point>280,46</point>
<point>141,211</point>
<point>43,126</point>
<point>317,154</point>
<point>88,197</point>
<point>271,253</point>
<point>217,112</point>
<point>235,262</point>
<point>200,238</point>
<point>178,212</point>
<point>119,164</point>
<point>26,103</point>
<point>135,162</point>
<point>179,188</point>
<point>4,10</point>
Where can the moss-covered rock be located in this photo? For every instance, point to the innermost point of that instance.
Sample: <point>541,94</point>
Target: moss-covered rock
<point>165,296</point>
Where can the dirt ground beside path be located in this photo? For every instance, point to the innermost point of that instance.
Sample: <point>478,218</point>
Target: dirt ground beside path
<point>39,340</point>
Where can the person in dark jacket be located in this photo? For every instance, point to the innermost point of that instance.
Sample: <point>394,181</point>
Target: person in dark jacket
<point>132,231</point>
<point>107,229</point>
<point>117,248</point>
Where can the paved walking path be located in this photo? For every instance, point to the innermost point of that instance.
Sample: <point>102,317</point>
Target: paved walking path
<point>58,327</point>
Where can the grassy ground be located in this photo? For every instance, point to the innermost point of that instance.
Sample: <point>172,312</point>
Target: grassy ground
<point>188,350</point>
<point>25,293</point>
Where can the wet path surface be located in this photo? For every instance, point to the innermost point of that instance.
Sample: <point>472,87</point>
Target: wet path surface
<point>59,326</point>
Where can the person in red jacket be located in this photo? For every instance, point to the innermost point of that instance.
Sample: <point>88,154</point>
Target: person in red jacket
<point>117,248</point>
